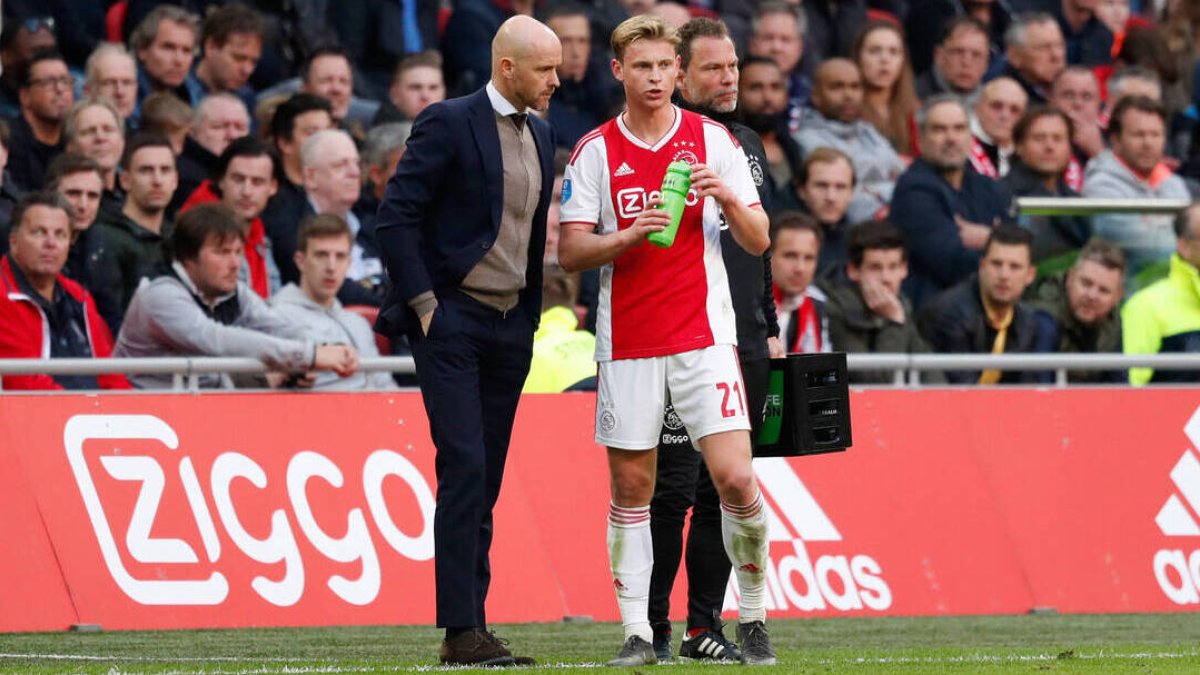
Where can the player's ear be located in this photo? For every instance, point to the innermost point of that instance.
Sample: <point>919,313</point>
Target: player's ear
<point>616,70</point>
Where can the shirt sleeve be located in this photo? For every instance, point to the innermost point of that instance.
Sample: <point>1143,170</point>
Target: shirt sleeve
<point>729,162</point>
<point>583,183</point>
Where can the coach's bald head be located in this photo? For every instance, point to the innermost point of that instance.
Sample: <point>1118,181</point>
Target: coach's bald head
<point>526,55</point>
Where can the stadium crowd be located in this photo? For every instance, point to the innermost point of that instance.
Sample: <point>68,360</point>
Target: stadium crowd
<point>203,177</point>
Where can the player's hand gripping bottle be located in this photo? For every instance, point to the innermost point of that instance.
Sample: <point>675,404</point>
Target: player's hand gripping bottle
<point>675,186</point>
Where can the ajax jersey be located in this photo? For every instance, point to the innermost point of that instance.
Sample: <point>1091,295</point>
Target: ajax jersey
<point>657,301</point>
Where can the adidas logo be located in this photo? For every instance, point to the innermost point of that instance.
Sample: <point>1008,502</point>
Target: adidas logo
<point>623,170</point>
<point>1176,570</point>
<point>794,579</point>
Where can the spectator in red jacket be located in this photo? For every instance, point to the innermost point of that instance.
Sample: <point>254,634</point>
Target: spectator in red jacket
<point>43,314</point>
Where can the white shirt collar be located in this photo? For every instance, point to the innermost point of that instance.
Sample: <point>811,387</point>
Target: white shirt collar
<point>499,103</point>
<point>350,218</point>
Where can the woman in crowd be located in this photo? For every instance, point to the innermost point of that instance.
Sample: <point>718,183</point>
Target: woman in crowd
<point>889,97</point>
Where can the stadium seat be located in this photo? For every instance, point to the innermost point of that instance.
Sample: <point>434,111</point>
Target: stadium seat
<point>370,314</point>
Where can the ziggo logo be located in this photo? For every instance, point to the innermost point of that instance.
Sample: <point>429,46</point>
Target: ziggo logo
<point>279,546</point>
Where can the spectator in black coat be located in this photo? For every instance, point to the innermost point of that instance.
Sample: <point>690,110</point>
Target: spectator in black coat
<point>378,33</point>
<point>47,93</point>
<point>832,27</point>
<point>587,94</point>
<point>1089,41</point>
<point>945,210</point>
<point>959,61</point>
<point>928,18</point>
<point>1036,53</point>
<point>984,314</point>
<point>467,43</point>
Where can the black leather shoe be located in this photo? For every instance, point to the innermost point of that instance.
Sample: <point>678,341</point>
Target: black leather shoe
<point>475,648</point>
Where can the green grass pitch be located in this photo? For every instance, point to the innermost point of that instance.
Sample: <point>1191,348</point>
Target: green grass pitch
<point>1127,643</point>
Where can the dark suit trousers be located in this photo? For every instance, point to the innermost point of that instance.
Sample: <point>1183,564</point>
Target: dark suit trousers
<point>471,367</point>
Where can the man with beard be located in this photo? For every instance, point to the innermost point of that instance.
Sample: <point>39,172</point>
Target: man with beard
<point>762,98</point>
<point>46,93</point>
<point>945,210</point>
<point>1085,305</point>
<point>1043,142</point>
<point>709,86</point>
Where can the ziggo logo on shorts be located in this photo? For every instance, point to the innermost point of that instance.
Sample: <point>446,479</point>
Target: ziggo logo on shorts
<point>279,546</point>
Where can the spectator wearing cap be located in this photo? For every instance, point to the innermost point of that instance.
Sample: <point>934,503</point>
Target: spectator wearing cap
<point>1085,305</point>
<point>945,209</point>
<point>871,314</point>
<point>78,180</point>
<point>43,314</point>
<point>94,129</point>
<point>1134,168</point>
<point>165,43</point>
<point>135,234</point>
<point>997,110</point>
<point>1043,152</point>
<point>835,120</point>
<point>1036,53</point>
<point>244,182</point>
<point>19,41</point>
<point>323,244</point>
<point>111,72</point>
<point>47,93</point>
<point>960,61</point>
<point>778,30</point>
<point>232,40</point>
<point>195,306</point>
<point>984,314</point>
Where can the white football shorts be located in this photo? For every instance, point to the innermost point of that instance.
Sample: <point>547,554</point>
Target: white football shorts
<point>704,385</point>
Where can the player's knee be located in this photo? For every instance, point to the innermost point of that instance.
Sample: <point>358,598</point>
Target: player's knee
<point>736,485</point>
<point>632,488</point>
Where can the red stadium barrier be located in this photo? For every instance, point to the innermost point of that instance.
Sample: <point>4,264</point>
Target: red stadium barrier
<point>230,510</point>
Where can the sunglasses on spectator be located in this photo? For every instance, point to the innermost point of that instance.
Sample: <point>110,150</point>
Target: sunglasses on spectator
<point>35,24</point>
<point>63,81</point>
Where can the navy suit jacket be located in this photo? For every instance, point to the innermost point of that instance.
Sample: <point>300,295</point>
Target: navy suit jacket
<point>441,212</point>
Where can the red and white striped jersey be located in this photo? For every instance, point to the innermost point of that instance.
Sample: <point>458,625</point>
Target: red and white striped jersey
<point>657,301</point>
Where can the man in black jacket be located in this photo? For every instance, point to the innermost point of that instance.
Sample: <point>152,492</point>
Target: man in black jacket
<point>709,85</point>
<point>984,314</point>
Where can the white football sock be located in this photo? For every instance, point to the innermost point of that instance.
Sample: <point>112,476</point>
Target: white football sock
<point>744,531</point>
<point>631,555</point>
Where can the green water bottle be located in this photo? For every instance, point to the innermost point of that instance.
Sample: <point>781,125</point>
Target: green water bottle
<point>675,186</point>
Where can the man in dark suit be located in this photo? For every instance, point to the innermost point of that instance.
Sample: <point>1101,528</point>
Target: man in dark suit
<point>462,228</point>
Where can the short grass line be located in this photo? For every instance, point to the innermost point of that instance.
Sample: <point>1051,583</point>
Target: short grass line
<point>1010,658</point>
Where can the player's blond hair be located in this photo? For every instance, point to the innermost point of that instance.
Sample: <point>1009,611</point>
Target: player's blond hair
<point>642,27</point>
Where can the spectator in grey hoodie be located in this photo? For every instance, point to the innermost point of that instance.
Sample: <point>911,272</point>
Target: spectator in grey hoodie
<point>835,121</point>
<point>197,307</point>
<point>323,257</point>
<point>1134,167</point>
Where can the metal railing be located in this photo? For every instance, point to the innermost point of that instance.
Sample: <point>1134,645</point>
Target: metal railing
<point>1088,206</point>
<point>907,368</point>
